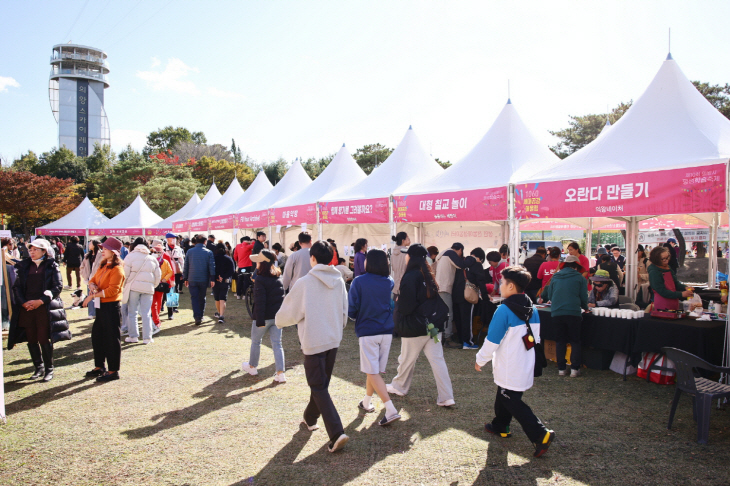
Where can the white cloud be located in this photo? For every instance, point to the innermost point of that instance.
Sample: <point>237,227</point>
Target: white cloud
<point>172,78</point>
<point>8,82</point>
<point>120,138</point>
<point>219,93</point>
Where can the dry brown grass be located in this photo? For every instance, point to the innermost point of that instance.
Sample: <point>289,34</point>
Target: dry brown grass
<point>183,413</point>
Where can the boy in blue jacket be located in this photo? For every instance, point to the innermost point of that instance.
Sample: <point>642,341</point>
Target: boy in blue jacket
<point>510,345</point>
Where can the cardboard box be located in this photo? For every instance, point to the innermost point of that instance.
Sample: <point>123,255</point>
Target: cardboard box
<point>550,353</point>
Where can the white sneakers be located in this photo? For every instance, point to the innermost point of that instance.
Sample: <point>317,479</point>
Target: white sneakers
<point>310,428</point>
<point>131,340</point>
<point>148,341</point>
<point>249,369</point>
<point>238,297</point>
<point>280,377</point>
<point>562,372</point>
<point>446,403</point>
<point>393,391</point>
<point>338,444</point>
<point>574,373</point>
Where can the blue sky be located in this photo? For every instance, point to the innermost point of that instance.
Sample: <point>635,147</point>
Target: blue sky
<point>300,78</point>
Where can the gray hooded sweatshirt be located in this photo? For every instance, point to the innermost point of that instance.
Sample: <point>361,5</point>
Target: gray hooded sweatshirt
<point>317,304</point>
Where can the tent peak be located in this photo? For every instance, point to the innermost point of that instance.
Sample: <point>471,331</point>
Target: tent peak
<point>509,101</point>
<point>343,145</point>
<point>410,127</point>
<point>669,57</point>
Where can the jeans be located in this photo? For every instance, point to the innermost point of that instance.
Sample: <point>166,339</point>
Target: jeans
<point>568,328</point>
<point>197,298</point>
<point>318,370</point>
<point>257,335</point>
<point>509,404</point>
<point>92,309</point>
<point>141,303</point>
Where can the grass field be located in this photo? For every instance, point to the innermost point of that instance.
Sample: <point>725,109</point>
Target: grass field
<point>183,413</point>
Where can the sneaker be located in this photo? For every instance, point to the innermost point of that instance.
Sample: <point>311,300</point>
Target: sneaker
<point>169,318</point>
<point>148,341</point>
<point>391,389</point>
<point>574,373</point>
<point>216,315</point>
<point>469,346</point>
<point>249,369</point>
<point>280,377</point>
<point>238,297</point>
<point>66,287</point>
<point>197,322</point>
<point>446,403</point>
<point>131,340</point>
<point>156,329</point>
<point>108,376</point>
<point>562,372</point>
<point>95,372</point>
<point>366,410</point>
<point>221,320</point>
<point>389,420</point>
<point>174,310</point>
<point>310,428</point>
<point>490,428</point>
<point>542,448</point>
<point>124,331</point>
<point>338,444</point>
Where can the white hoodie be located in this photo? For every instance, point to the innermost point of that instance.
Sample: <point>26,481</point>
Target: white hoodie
<point>317,304</point>
<point>142,272</point>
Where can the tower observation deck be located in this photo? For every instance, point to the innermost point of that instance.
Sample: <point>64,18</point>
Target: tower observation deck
<point>76,92</point>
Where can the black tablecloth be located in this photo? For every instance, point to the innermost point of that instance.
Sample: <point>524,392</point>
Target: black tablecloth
<point>630,336</point>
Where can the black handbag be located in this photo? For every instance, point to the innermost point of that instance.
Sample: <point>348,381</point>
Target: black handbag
<point>163,287</point>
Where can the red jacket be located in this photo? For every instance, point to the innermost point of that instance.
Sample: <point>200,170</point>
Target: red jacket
<point>242,254</point>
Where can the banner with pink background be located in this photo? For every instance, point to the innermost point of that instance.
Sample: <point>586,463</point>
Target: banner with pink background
<point>352,212</point>
<point>306,213</point>
<point>222,222</point>
<point>474,205</point>
<point>181,226</point>
<point>255,219</point>
<point>678,191</point>
<point>59,232</point>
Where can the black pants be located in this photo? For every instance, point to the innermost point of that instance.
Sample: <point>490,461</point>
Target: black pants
<point>243,280</point>
<point>106,336</point>
<point>568,331</point>
<point>179,283</point>
<point>463,318</point>
<point>318,370</point>
<point>35,323</point>
<point>509,404</point>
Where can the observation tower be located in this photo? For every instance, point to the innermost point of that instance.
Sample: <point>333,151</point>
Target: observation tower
<point>76,92</point>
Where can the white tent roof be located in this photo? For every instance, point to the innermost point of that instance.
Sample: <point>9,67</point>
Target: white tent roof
<point>407,167</point>
<point>670,126</point>
<point>180,214</point>
<point>343,171</point>
<point>507,151</point>
<point>233,192</point>
<point>294,181</point>
<point>201,210</point>
<point>83,217</point>
<point>137,215</point>
<point>258,189</point>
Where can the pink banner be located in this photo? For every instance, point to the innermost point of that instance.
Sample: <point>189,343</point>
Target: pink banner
<point>474,205</point>
<point>678,191</point>
<point>294,215</point>
<point>256,219</point>
<point>181,226</point>
<point>157,231</point>
<point>197,225</point>
<point>349,212</point>
<point>547,225</point>
<point>222,222</point>
<point>59,232</point>
<point>116,232</point>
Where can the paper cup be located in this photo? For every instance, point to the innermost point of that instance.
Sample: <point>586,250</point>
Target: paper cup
<point>595,311</point>
<point>639,314</point>
<point>614,312</point>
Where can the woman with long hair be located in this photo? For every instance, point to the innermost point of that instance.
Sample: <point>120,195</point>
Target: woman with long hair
<point>574,249</point>
<point>268,296</point>
<point>106,333</point>
<point>37,313</point>
<point>420,324</point>
<point>87,269</point>
<point>361,247</point>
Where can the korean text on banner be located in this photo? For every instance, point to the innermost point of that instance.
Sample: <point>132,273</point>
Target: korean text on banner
<point>360,211</point>
<point>475,205</point>
<point>295,215</point>
<point>677,191</point>
<point>255,219</point>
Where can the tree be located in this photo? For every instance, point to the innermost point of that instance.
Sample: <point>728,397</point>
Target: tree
<point>314,167</point>
<point>166,138</point>
<point>370,156</point>
<point>207,170</point>
<point>717,95</point>
<point>445,164</point>
<point>61,163</point>
<point>236,151</point>
<point>582,130</point>
<point>102,159</point>
<point>27,162</point>
<point>274,170</point>
<point>187,151</point>
<point>33,199</point>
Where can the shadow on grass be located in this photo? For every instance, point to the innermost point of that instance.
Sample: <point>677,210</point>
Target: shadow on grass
<point>46,395</point>
<point>216,397</point>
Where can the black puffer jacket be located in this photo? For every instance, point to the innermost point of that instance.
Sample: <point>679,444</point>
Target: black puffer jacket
<point>73,255</point>
<point>58,325</point>
<point>416,309</point>
<point>268,296</point>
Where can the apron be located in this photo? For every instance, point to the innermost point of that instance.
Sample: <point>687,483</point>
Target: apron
<point>662,303</point>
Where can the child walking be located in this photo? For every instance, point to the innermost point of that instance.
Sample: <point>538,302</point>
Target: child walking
<point>510,344</point>
<point>370,306</point>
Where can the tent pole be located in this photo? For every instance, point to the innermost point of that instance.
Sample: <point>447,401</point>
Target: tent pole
<point>631,257</point>
<point>712,264</point>
<point>589,239</point>
<point>513,227</point>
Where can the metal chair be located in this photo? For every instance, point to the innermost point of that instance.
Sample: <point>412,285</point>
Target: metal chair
<point>702,390</point>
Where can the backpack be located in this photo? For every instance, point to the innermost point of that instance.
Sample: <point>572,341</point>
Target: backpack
<point>435,311</point>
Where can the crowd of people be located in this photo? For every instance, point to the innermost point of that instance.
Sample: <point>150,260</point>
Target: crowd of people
<point>425,297</point>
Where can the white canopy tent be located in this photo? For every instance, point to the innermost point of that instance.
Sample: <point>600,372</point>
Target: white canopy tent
<point>84,217</point>
<point>233,192</point>
<point>165,226</point>
<point>259,188</point>
<point>197,219</point>
<point>130,222</point>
